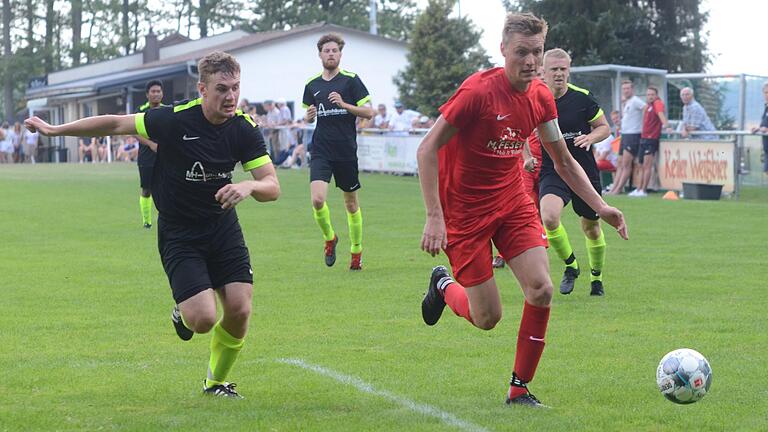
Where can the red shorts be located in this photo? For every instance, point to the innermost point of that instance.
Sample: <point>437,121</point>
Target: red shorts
<point>513,231</point>
<point>531,185</point>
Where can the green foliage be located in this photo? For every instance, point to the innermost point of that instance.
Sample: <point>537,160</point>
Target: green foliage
<point>664,34</point>
<point>88,344</point>
<point>442,52</point>
<point>394,17</point>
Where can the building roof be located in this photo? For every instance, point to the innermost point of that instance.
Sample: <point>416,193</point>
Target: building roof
<point>92,85</point>
<point>178,64</point>
<point>264,37</point>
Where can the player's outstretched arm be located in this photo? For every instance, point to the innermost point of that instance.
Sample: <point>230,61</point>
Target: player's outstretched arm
<point>104,125</point>
<point>264,187</point>
<point>434,238</point>
<point>575,177</point>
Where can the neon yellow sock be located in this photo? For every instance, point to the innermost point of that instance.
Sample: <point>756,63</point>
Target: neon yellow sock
<point>145,203</point>
<point>323,219</point>
<point>596,253</point>
<point>558,239</point>
<point>224,351</point>
<point>355,222</point>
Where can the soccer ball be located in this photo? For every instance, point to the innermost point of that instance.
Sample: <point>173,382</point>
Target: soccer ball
<point>684,376</point>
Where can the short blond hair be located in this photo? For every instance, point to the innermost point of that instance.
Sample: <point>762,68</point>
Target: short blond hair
<point>215,62</point>
<point>526,24</point>
<point>557,53</point>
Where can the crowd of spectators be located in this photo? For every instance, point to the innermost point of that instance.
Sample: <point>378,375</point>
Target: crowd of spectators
<point>17,144</point>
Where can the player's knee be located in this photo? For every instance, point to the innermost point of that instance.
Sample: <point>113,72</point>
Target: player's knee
<point>202,323</point>
<point>550,221</point>
<point>540,293</point>
<point>317,202</point>
<point>487,320</point>
<point>240,312</point>
<point>351,206</point>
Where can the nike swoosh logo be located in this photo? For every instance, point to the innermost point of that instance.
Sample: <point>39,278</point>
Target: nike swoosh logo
<point>501,117</point>
<point>316,93</point>
<point>544,236</point>
<point>535,339</point>
<point>189,138</point>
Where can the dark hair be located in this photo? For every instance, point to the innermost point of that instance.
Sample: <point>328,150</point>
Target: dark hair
<point>151,84</point>
<point>330,37</point>
<point>655,90</point>
<point>215,62</point>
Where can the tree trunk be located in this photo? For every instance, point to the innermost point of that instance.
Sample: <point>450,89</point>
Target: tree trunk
<point>126,28</point>
<point>31,18</point>
<point>77,27</point>
<point>50,25</point>
<point>8,102</point>
<point>203,17</point>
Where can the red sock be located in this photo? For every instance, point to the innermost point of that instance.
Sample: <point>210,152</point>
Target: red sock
<point>456,299</point>
<point>530,344</point>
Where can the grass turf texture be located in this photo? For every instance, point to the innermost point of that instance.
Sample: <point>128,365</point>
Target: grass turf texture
<point>87,342</point>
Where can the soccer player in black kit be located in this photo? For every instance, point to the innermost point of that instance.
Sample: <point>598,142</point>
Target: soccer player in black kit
<point>336,98</point>
<point>582,123</point>
<point>147,150</point>
<point>201,245</point>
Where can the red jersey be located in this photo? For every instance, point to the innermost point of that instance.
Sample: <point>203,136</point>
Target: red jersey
<point>651,120</point>
<point>479,168</point>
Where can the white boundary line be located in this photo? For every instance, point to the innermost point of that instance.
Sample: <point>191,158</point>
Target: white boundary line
<point>364,387</point>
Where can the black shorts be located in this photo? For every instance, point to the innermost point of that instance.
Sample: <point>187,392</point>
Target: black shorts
<point>145,176</point>
<point>630,143</point>
<point>551,183</point>
<point>208,255</point>
<point>344,172</point>
<point>649,146</point>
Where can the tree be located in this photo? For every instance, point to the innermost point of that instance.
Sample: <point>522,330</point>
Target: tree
<point>442,52</point>
<point>7,55</point>
<point>664,34</point>
<point>394,17</point>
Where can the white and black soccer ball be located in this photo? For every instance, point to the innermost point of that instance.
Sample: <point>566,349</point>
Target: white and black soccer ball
<point>684,376</point>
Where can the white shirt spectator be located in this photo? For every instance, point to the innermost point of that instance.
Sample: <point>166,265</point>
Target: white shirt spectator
<point>381,119</point>
<point>632,116</point>
<point>403,121</point>
<point>605,146</point>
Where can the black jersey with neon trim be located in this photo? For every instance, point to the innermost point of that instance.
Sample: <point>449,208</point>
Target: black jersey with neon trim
<point>146,156</point>
<point>196,158</point>
<point>335,137</point>
<point>576,109</point>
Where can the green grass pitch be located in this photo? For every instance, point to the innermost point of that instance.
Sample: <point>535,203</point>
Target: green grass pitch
<point>86,342</point>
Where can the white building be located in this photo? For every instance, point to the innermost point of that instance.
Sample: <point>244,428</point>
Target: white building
<point>274,65</point>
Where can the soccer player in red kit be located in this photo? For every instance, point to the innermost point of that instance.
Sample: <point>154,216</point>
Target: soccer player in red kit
<point>469,169</point>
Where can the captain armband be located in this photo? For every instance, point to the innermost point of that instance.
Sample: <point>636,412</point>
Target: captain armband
<point>550,131</point>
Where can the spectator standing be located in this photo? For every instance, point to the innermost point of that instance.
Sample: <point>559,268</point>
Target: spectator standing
<point>271,134</point>
<point>31,141</point>
<point>695,117</point>
<point>631,127</point>
<point>653,121</point>
<point>403,120</point>
<point>382,118</point>
<point>6,145</point>
<point>763,128</point>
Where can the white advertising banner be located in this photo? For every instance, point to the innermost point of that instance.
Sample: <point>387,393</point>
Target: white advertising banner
<point>395,154</point>
<point>706,162</point>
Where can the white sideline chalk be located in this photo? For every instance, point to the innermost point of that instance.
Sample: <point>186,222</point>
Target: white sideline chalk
<point>364,387</point>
